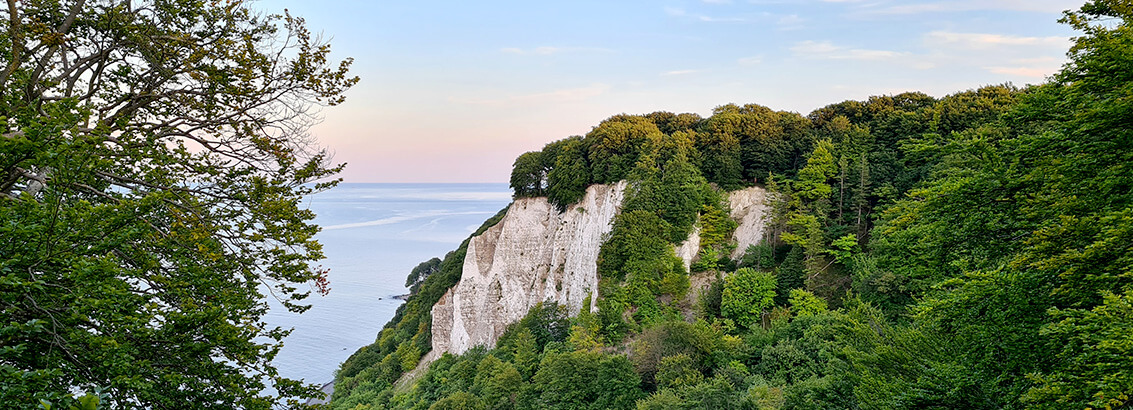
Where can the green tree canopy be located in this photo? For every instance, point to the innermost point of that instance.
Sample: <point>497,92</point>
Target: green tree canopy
<point>747,294</point>
<point>617,143</point>
<point>528,177</point>
<point>153,160</point>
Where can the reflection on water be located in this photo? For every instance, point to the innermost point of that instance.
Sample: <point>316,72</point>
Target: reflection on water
<point>373,235</point>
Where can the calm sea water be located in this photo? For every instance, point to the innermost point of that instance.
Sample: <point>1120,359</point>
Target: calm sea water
<point>373,235</point>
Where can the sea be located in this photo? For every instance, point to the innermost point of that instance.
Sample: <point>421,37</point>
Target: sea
<point>373,235</point>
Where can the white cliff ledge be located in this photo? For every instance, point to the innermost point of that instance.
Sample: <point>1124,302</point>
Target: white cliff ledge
<point>537,253</point>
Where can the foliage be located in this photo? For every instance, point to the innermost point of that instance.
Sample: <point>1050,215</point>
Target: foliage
<point>758,257</point>
<point>528,175</point>
<point>743,143</point>
<point>699,342</point>
<point>375,367</point>
<point>459,401</point>
<point>985,235</point>
<point>567,181</point>
<point>790,275</point>
<point>635,246</point>
<point>546,322</point>
<point>716,228</point>
<point>748,294</point>
<point>716,225</point>
<point>154,162</point>
<point>674,192</point>
<point>616,145</point>
<point>677,371</point>
<point>88,401</point>
<point>811,184</point>
<point>1096,367</point>
<point>804,303</point>
<point>584,380</point>
<point>421,272</point>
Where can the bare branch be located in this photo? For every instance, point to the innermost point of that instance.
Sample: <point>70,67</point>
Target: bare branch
<point>16,33</point>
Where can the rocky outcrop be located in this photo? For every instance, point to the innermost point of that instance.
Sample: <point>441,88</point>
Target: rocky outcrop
<point>534,254</point>
<point>537,253</point>
<point>689,249</point>
<point>749,208</point>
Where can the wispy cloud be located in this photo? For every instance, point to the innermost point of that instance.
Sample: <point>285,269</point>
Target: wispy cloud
<point>1002,54</point>
<point>679,72</point>
<point>828,51</point>
<point>550,50</point>
<point>790,19</point>
<point>399,219</point>
<point>710,19</point>
<point>825,50</point>
<point>717,1</point>
<point>1037,68</point>
<point>682,13</point>
<point>750,61</point>
<point>995,53</point>
<point>985,41</point>
<point>1033,72</point>
<point>790,22</point>
<point>543,51</point>
<point>555,96</point>
<point>914,7</point>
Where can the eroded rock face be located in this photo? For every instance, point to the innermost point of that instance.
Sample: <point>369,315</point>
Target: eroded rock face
<point>536,253</point>
<point>749,207</point>
<point>688,249</point>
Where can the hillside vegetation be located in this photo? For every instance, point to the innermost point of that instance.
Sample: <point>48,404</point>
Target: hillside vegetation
<point>972,251</point>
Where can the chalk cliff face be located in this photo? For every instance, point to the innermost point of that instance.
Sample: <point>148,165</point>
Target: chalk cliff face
<point>749,208</point>
<point>537,253</point>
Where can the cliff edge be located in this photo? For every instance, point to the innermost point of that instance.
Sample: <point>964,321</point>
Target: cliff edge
<point>537,253</point>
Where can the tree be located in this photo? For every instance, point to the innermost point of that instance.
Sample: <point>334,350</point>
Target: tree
<point>677,371</point>
<point>568,179</point>
<point>811,185</point>
<point>719,148</point>
<point>459,401</point>
<point>674,195</point>
<point>421,272</point>
<point>790,275</point>
<point>669,123</point>
<point>1098,369</point>
<point>1037,224</point>
<point>804,303</point>
<point>584,380</point>
<point>617,143</point>
<point>528,174</point>
<point>747,293</point>
<point>153,160</point>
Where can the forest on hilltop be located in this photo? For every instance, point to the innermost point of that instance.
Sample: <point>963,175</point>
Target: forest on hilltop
<point>972,251</point>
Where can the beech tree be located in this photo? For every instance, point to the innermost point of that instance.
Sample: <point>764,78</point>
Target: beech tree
<point>527,175</point>
<point>153,159</point>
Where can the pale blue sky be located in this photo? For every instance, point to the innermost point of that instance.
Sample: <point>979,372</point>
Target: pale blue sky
<point>453,91</point>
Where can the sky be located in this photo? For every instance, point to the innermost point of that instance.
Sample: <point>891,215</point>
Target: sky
<point>453,91</point>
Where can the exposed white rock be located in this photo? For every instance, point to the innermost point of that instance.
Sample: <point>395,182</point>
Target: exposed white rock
<point>688,249</point>
<point>534,254</point>
<point>749,208</point>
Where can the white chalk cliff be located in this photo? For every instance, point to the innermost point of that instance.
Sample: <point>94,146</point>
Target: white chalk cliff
<point>749,209</point>
<point>537,253</point>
